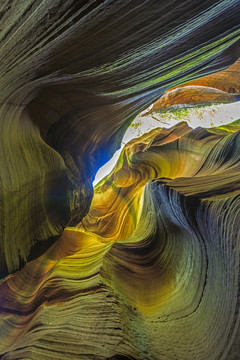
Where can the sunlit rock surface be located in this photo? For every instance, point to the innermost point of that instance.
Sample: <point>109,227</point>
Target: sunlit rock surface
<point>152,272</point>
<point>227,80</point>
<point>221,87</point>
<point>147,267</point>
<point>73,76</point>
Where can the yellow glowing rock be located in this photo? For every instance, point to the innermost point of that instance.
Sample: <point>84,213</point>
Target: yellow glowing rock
<point>146,266</point>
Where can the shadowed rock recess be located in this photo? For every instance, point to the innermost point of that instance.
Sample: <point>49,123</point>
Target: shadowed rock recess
<point>146,266</point>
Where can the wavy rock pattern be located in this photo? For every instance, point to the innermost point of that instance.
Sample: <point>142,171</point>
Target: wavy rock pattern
<point>226,80</point>
<point>152,272</point>
<point>191,95</point>
<point>73,75</point>
<point>147,267</point>
<point>220,87</point>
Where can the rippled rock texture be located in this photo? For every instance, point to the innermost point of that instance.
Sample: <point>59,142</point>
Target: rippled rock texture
<point>221,87</point>
<point>147,267</point>
<point>152,271</point>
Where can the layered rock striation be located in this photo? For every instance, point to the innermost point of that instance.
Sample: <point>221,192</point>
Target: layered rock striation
<point>73,76</point>
<point>152,271</point>
<point>146,266</point>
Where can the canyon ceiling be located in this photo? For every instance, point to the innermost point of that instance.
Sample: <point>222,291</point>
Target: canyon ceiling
<point>145,266</point>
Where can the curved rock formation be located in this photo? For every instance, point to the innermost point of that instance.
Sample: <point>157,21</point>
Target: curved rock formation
<point>151,272</point>
<point>226,80</point>
<point>72,82</point>
<point>220,87</point>
<point>190,95</point>
<point>147,266</point>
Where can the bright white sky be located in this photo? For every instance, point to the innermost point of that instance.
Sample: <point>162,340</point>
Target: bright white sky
<point>207,116</point>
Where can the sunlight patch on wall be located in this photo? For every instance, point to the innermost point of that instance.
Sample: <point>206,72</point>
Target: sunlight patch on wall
<point>205,116</point>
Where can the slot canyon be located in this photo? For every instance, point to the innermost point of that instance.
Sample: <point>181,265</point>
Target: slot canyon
<point>145,264</point>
